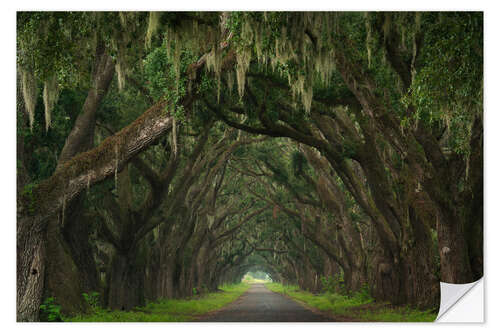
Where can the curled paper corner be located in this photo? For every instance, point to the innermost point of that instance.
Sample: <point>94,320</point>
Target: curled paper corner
<point>461,302</point>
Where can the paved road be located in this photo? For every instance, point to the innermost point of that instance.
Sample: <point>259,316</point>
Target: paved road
<point>259,304</point>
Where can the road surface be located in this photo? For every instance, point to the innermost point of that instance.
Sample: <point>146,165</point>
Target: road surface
<point>259,304</point>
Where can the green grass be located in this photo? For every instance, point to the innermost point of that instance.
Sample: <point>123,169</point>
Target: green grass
<point>359,307</point>
<point>399,314</point>
<point>168,310</point>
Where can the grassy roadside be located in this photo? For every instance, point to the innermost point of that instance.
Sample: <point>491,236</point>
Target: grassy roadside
<point>169,310</point>
<point>360,307</point>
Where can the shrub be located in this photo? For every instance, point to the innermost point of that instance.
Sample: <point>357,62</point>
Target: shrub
<point>50,311</point>
<point>92,299</point>
<point>334,284</point>
<point>363,294</point>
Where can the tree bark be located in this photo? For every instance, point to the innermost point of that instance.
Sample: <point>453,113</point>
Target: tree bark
<point>30,269</point>
<point>126,282</point>
<point>455,263</point>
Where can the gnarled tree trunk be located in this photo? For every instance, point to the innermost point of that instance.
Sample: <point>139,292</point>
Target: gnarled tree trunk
<point>71,269</point>
<point>126,282</point>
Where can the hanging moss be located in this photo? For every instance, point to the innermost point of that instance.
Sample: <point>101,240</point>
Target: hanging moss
<point>304,90</point>
<point>230,80</point>
<point>279,40</point>
<point>50,96</point>
<point>243,59</point>
<point>123,18</point>
<point>368,38</point>
<point>387,25</point>
<point>187,36</point>
<point>121,40</point>
<point>174,136</point>
<point>153,24</point>
<point>120,75</point>
<point>214,64</point>
<point>418,21</point>
<point>29,88</point>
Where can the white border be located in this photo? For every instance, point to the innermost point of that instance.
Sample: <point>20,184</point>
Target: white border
<point>7,132</point>
<point>464,306</point>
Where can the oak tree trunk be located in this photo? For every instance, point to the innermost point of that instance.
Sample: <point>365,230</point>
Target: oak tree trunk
<point>126,282</point>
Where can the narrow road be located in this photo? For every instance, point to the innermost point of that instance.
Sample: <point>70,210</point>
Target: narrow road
<point>259,304</point>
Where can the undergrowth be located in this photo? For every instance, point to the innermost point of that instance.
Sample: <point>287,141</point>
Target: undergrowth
<point>167,310</point>
<point>50,310</point>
